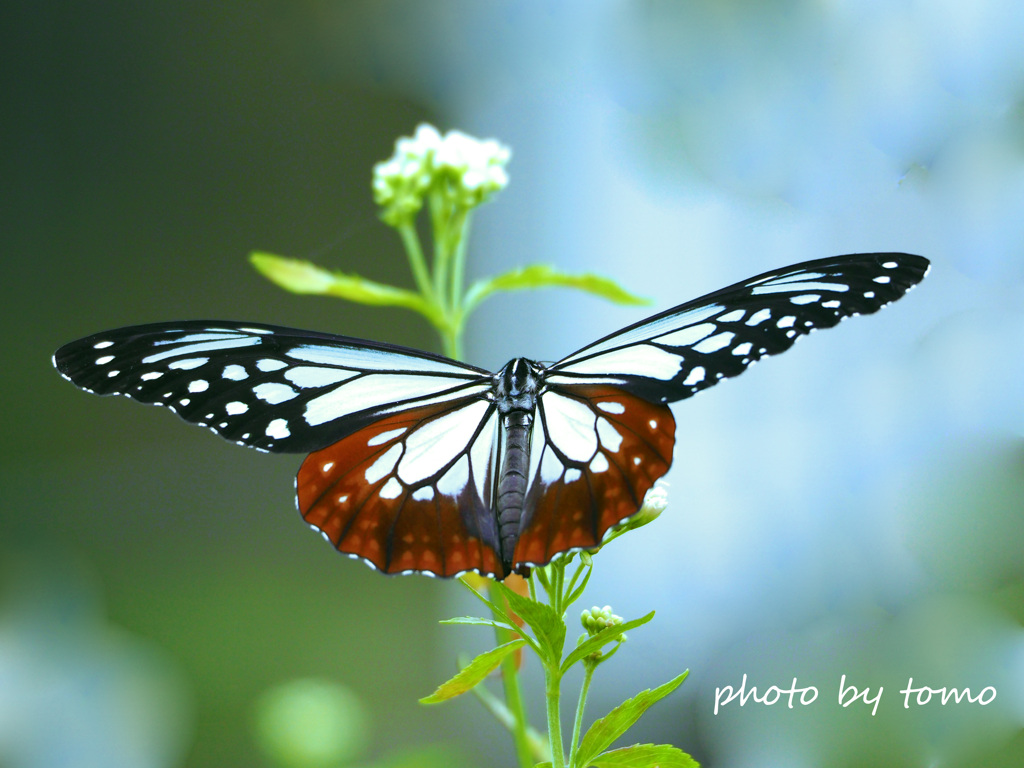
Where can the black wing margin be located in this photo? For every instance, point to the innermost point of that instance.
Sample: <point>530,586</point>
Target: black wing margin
<point>688,348</point>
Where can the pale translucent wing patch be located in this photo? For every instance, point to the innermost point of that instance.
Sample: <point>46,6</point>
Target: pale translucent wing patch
<point>411,492</point>
<point>271,388</point>
<point>693,346</point>
<point>595,452</point>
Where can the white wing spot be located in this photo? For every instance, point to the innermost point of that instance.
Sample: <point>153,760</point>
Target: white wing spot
<point>550,467</point>
<point>883,279</point>
<point>426,493</point>
<point>733,317</point>
<point>570,426</point>
<point>695,376</point>
<point>199,385</point>
<point>599,464</point>
<point>384,437</point>
<point>786,322</point>
<point>455,479</point>
<point>327,466</point>
<point>430,447</point>
<point>343,498</point>
<point>366,358</point>
<point>684,337</point>
<point>188,363</point>
<point>611,406</point>
<point>797,285</point>
<point>278,428</point>
<point>890,265</point>
<point>807,298</point>
<point>104,360</point>
<point>834,304</point>
<point>210,346</point>
<point>392,489</point>
<point>572,475</point>
<point>102,344</point>
<point>112,374</point>
<point>715,343</point>
<point>652,423</point>
<point>609,435</point>
<point>307,376</point>
<point>383,465</point>
<point>235,373</point>
<point>790,333</point>
<point>269,364</point>
<point>274,393</point>
<point>151,375</point>
<point>759,317</point>
<point>184,401</point>
<point>236,407</point>
<point>654,362</point>
<point>636,460</point>
<point>869,294</point>
<point>743,349</point>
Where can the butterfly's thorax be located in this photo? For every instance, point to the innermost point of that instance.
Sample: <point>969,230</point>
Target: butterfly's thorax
<point>515,394</point>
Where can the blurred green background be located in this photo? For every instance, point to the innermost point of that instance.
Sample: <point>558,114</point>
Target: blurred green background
<point>854,508</point>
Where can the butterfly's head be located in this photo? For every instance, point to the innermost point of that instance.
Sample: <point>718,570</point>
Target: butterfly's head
<point>515,386</point>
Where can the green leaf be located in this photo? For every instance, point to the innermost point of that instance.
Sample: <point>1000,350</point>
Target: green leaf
<point>643,756</point>
<point>546,276</point>
<point>471,675</point>
<point>601,639</point>
<point>547,626</point>
<point>300,276</point>
<point>610,727</point>
<point>479,622</point>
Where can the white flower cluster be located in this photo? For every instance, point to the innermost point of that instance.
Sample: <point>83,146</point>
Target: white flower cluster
<point>595,619</point>
<point>466,170</point>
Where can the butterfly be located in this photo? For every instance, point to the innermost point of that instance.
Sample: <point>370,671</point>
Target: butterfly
<point>418,463</point>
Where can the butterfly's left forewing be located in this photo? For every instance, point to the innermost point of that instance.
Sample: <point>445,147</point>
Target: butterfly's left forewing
<point>266,387</point>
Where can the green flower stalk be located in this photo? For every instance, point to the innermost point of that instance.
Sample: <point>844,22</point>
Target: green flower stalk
<point>450,176</point>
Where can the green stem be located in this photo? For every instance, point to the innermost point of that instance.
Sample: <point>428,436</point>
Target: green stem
<point>460,231</point>
<point>588,673</point>
<point>552,685</point>
<point>440,220</point>
<point>411,241</point>
<point>514,701</point>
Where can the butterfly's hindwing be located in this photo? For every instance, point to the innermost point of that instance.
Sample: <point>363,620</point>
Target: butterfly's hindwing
<point>684,350</point>
<point>410,493</point>
<point>596,452</point>
<point>276,389</point>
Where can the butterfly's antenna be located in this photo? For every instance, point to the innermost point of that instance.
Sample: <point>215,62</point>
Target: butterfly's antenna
<point>343,235</point>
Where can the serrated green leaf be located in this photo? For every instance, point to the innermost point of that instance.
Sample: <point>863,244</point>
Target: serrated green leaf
<point>603,732</point>
<point>480,622</point>
<point>643,756</point>
<point>548,627</point>
<point>471,675</point>
<point>601,639</point>
<point>546,276</point>
<point>300,276</point>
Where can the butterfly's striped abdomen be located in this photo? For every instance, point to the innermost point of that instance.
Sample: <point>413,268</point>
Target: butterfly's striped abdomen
<point>515,464</point>
<point>515,391</point>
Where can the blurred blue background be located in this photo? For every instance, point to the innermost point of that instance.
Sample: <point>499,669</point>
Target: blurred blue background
<point>854,508</point>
